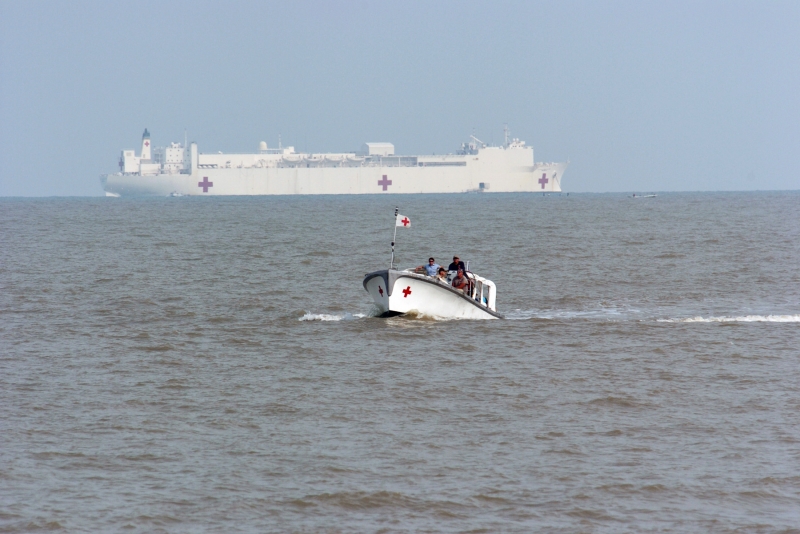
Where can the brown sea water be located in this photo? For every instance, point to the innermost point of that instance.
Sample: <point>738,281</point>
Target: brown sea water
<point>210,365</point>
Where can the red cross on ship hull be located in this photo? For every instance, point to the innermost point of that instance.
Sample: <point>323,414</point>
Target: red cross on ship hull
<point>543,180</point>
<point>384,182</point>
<point>205,184</point>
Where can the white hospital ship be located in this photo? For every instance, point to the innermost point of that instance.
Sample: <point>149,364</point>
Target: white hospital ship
<point>179,170</point>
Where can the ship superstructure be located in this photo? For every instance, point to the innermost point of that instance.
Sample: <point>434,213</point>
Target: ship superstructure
<point>374,169</point>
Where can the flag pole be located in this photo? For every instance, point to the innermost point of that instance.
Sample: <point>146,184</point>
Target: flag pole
<point>396,211</point>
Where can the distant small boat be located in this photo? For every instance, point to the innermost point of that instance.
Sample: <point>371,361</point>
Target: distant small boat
<point>643,196</point>
<point>175,194</point>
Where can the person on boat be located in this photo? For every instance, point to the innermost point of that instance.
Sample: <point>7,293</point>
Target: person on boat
<point>461,281</point>
<point>456,265</point>
<point>441,276</point>
<point>431,269</point>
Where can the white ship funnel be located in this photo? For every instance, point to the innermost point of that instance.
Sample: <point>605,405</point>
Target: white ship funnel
<point>146,145</point>
<point>194,157</point>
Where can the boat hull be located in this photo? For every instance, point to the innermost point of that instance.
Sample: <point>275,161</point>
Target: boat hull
<point>337,181</point>
<point>401,292</point>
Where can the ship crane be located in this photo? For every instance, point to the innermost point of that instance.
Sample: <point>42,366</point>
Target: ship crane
<point>483,145</point>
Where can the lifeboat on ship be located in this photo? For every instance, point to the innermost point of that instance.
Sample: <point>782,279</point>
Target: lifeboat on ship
<point>408,292</point>
<point>292,160</point>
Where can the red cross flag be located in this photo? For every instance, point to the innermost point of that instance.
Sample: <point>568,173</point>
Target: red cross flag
<point>404,221</point>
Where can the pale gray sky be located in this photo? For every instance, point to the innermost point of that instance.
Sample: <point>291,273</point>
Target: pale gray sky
<point>640,96</point>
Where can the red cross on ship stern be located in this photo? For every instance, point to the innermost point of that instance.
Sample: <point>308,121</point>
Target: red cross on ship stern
<point>406,292</point>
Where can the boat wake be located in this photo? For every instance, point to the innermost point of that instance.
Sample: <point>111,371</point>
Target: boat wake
<point>324,317</point>
<point>414,314</point>
<point>739,319</point>
<point>607,314</point>
<point>614,314</point>
<point>327,317</point>
<point>632,314</point>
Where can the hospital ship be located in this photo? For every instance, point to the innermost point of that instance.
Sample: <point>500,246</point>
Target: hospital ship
<point>179,170</point>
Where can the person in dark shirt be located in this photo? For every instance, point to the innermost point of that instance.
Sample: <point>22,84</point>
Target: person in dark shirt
<point>456,265</point>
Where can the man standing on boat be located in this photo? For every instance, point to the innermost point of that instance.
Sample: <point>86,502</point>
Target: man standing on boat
<point>456,265</point>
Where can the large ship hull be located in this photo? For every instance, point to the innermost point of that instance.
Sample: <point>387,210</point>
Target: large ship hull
<point>183,170</point>
<point>340,181</point>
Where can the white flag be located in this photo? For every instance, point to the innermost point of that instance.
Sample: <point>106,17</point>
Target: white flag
<point>404,221</point>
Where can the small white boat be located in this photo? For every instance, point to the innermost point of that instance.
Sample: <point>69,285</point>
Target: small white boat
<point>400,292</point>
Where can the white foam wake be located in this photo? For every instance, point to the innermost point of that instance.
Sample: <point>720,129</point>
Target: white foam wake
<point>326,317</point>
<point>602,313</point>
<point>740,319</point>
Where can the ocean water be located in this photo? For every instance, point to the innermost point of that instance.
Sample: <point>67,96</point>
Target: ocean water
<point>212,365</point>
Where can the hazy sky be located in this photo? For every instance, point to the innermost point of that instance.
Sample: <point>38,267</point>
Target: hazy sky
<point>639,96</point>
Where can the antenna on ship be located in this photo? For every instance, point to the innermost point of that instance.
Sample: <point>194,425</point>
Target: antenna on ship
<point>396,211</point>
<point>505,133</point>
